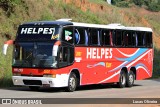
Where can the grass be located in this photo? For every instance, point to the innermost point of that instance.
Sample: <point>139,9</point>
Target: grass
<point>153,20</point>
<point>34,10</point>
<point>98,1</point>
<point>156,63</point>
<point>5,66</point>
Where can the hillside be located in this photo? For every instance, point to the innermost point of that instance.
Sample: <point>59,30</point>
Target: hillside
<point>15,12</point>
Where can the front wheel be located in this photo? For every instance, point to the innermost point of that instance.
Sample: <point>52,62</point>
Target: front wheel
<point>72,83</point>
<point>122,80</point>
<point>130,79</point>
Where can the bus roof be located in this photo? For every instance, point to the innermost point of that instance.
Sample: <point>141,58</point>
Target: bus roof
<point>65,22</point>
<point>112,26</point>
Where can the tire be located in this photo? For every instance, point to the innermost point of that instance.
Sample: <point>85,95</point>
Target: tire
<point>130,79</point>
<point>34,88</point>
<point>122,80</point>
<point>72,83</point>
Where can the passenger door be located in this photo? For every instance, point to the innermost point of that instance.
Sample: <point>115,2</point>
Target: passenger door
<point>66,55</point>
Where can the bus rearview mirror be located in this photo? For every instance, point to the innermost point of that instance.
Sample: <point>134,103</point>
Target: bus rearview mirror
<point>5,46</point>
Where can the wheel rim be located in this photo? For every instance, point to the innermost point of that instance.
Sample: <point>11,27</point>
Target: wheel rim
<point>72,83</point>
<point>131,79</point>
<point>123,79</point>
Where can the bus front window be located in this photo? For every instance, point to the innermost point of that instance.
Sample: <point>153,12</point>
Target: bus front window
<point>40,54</point>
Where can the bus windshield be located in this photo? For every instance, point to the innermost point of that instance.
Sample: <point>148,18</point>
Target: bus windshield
<point>35,54</point>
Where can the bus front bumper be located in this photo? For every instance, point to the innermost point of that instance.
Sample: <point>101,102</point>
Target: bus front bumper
<point>59,81</point>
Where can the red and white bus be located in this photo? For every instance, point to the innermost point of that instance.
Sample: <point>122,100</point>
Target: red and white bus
<point>69,54</point>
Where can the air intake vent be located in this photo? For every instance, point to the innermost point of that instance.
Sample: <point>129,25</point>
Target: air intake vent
<point>32,82</point>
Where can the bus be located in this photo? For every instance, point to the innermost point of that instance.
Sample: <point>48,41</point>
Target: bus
<point>69,54</point>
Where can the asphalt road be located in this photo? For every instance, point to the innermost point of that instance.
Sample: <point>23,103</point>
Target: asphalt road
<point>141,89</point>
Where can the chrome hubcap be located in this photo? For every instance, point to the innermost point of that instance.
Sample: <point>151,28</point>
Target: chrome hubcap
<point>131,78</point>
<point>72,82</point>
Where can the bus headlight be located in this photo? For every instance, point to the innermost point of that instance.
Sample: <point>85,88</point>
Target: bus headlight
<point>49,75</point>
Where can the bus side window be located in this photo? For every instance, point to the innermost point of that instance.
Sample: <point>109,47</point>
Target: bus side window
<point>114,37</point>
<point>125,38</point>
<point>107,38</point>
<point>136,38</point>
<point>148,39</point>
<point>77,36</point>
<point>118,38</point>
<point>129,39</point>
<point>141,39</point>
<point>81,36</point>
<point>86,37</point>
<point>67,34</point>
<point>94,37</point>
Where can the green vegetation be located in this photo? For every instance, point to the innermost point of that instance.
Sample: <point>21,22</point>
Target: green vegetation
<point>98,1</point>
<point>152,5</point>
<point>15,12</point>
<point>156,64</point>
<point>123,4</point>
<point>5,66</point>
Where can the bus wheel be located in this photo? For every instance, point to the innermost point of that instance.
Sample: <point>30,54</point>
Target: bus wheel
<point>34,88</point>
<point>72,83</point>
<point>122,80</point>
<point>130,79</point>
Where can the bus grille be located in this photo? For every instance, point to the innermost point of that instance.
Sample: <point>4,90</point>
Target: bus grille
<point>32,82</point>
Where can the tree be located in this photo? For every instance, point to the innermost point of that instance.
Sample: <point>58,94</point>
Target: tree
<point>139,2</point>
<point>154,7</point>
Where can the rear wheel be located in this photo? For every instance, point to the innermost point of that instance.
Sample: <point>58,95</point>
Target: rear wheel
<point>72,83</point>
<point>34,88</point>
<point>122,80</point>
<point>130,79</point>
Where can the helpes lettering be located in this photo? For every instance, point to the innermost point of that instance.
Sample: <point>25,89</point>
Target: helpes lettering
<point>99,53</point>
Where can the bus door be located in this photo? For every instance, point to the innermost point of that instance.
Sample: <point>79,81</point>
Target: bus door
<point>66,55</point>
